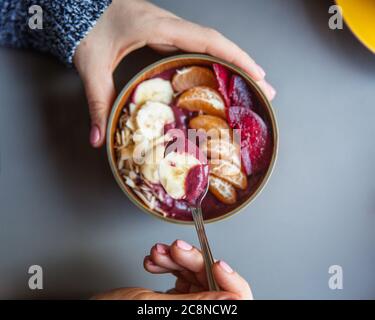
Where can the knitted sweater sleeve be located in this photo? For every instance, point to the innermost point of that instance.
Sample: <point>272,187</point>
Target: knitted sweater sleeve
<point>64,23</point>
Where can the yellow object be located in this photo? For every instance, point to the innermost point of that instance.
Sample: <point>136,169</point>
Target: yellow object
<point>359,15</point>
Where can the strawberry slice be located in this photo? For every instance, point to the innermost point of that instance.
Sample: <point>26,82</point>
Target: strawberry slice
<point>255,138</point>
<point>222,76</point>
<point>239,92</point>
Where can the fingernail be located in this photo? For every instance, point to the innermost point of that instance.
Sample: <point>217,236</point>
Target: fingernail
<point>161,249</point>
<point>184,245</point>
<point>261,71</point>
<point>225,266</point>
<point>94,135</point>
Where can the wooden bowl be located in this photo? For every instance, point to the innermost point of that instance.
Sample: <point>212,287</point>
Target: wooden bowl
<point>156,68</point>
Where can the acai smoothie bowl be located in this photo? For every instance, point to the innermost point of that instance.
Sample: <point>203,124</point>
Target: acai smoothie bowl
<point>221,126</point>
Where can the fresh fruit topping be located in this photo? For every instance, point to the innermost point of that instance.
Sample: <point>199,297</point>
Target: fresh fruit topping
<point>152,118</point>
<point>156,89</point>
<point>220,149</point>
<point>214,126</point>
<point>222,76</point>
<point>239,92</point>
<point>150,167</point>
<point>204,99</point>
<point>190,77</point>
<point>222,190</point>
<point>229,172</point>
<point>255,138</point>
<point>246,157</point>
<point>175,176</point>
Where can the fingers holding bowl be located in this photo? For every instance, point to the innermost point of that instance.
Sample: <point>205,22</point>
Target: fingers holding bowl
<point>191,37</point>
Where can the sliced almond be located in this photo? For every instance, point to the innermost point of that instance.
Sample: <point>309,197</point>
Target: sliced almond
<point>130,182</point>
<point>222,190</point>
<point>204,99</point>
<point>229,172</point>
<point>118,138</point>
<point>214,126</point>
<point>127,152</point>
<point>190,77</point>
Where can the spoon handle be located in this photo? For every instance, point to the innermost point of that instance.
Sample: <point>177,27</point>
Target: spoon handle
<point>205,247</point>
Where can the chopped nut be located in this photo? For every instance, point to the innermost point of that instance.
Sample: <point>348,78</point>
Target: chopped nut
<point>123,118</point>
<point>120,164</point>
<point>132,175</point>
<point>130,182</point>
<point>126,153</point>
<point>142,197</point>
<point>130,124</point>
<point>118,137</point>
<point>152,202</point>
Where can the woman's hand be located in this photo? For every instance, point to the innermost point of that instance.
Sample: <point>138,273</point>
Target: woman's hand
<point>186,263</point>
<point>128,25</point>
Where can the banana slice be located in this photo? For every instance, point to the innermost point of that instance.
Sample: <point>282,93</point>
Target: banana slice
<point>229,172</point>
<point>157,89</point>
<point>173,171</point>
<point>150,167</point>
<point>222,190</point>
<point>152,118</point>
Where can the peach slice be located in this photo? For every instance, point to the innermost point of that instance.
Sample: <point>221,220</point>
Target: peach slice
<point>229,172</point>
<point>215,127</point>
<point>222,190</point>
<point>195,76</point>
<point>204,99</point>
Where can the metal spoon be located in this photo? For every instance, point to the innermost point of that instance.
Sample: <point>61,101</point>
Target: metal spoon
<point>205,247</point>
<point>196,209</point>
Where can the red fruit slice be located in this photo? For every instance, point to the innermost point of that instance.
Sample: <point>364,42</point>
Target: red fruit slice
<point>255,138</point>
<point>239,92</point>
<point>222,76</point>
<point>246,158</point>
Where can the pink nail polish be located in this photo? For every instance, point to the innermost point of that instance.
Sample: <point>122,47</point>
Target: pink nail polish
<point>261,71</point>
<point>94,135</point>
<point>184,245</point>
<point>225,266</point>
<point>161,249</point>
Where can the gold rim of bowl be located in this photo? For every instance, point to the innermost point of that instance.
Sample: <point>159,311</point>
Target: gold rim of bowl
<point>265,103</point>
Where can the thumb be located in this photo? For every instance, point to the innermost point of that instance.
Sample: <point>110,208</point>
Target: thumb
<point>231,281</point>
<point>100,92</point>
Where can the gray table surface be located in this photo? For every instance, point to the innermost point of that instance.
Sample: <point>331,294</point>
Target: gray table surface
<point>60,208</point>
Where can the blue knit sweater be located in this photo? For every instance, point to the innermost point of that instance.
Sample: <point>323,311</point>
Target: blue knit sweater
<point>65,24</point>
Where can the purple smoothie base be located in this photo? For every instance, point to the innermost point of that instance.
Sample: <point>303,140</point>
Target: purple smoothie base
<point>211,207</point>
<point>196,183</point>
